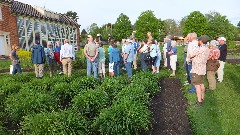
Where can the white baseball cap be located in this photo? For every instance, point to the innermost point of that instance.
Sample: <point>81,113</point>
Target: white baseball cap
<point>222,38</point>
<point>128,40</point>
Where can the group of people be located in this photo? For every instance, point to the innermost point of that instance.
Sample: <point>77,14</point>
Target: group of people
<point>201,58</point>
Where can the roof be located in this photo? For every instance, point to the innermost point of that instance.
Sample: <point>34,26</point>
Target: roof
<point>34,11</point>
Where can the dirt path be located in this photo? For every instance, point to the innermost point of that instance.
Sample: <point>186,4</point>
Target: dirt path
<point>168,107</point>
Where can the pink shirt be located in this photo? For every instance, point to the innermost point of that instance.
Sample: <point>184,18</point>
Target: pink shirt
<point>199,60</point>
<point>214,54</point>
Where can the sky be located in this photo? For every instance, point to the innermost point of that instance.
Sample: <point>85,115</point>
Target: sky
<point>107,11</point>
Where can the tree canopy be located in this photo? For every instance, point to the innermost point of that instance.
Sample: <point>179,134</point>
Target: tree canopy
<point>122,27</point>
<point>72,15</point>
<point>195,22</point>
<point>147,22</point>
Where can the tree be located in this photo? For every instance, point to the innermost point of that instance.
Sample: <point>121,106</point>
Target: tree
<point>105,30</point>
<point>195,22</point>
<point>220,25</point>
<point>238,24</point>
<point>83,35</point>
<point>93,30</point>
<point>72,15</point>
<point>148,22</point>
<point>171,27</point>
<point>122,27</point>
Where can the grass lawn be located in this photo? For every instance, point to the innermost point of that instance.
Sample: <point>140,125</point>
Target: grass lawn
<point>220,113</point>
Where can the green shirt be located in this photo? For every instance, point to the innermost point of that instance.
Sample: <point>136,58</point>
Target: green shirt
<point>101,54</point>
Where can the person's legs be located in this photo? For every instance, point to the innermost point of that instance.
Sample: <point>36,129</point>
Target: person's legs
<point>36,66</point>
<point>135,61</point>
<point>64,64</point>
<point>41,70</point>
<point>203,91</point>
<point>143,63</point>
<point>89,67</point>
<point>192,89</point>
<point>50,63</point>
<point>168,61</point>
<point>220,71</point>
<point>211,80</point>
<point>128,66</point>
<point>116,68</point>
<point>69,65</point>
<point>95,66</point>
<point>14,71</point>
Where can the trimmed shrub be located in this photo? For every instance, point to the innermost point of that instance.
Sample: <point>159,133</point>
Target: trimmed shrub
<point>59,123</point>
<point>135,93</point>
<point>151,82</point>
<point>126,117</point>
<point>113,86</point>
<point>28,101</point>
<point>89,103</point>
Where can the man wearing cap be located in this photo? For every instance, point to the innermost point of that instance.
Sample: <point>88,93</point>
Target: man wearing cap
<point>91,53</point>
<point>223,54</point>
<point>169,42</point>
<point>128,57</point>
<point>199,60</point>
<point>67,55</point>
<point>38,59</point>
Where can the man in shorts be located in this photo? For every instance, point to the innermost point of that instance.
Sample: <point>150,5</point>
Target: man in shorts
<point>199,60</point>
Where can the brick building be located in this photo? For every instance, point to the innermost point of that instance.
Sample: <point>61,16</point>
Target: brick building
<point>22,24</point>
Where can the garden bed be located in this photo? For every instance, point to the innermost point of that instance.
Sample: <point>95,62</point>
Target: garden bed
<point>169,110</point>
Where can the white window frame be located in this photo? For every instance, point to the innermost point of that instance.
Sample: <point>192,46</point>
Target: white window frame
<point>1,15</point>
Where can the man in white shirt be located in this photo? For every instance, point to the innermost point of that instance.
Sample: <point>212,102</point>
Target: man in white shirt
<point>67,55</point>
<point>192,46</point>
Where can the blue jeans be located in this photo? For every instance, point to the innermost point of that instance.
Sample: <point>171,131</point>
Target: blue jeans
<point>192,89</point>
<point>16,68</point>
<point>143,63</point>
<point>128,66</point>
<point>184,58</point>
<point>92,66</point>
<point>116,68</point>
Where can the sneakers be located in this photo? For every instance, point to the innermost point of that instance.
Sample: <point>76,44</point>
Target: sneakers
<point>172,75</point>
<point>199,104</point>
<point>60,73</point>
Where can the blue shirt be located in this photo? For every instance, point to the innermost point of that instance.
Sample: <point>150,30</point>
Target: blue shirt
<point>153,50</point>
<point>169,45</point>
<point>174,50</point>
<point>130,51</point>
<point>58,49</point>
<point>110,48</point>
<point>114,55</point>
<point>101,54</point>
<point>135,45</point>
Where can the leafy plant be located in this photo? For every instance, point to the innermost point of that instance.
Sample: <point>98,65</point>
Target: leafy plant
<point>60,123</point>
<point>125,117</point>
<point>89,103</point>
<point>28,101</point>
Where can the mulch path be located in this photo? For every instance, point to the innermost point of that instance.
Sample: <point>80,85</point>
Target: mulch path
<point>169,110</point>
<point>233,61</point>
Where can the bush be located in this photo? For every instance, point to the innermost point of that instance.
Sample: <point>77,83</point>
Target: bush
<point>126,117</point>
<point>113,86</point>
<point>86,82</point>
<point>89,103</point>
<point>59,123</point>
<point>151,82</point>
<point>28,101</point>
<point>25,58</point>
<point>135,93</point>
<point>232,45</point>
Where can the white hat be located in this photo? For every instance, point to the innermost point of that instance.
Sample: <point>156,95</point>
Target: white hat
<point>98,35</point>
<point>128,40</point>
<point>89,36</point>
<point>222,38</point>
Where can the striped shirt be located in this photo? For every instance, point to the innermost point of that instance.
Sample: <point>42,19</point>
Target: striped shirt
<point>199,60</point>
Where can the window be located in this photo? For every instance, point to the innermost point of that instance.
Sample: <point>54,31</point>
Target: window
<point>1,13</point>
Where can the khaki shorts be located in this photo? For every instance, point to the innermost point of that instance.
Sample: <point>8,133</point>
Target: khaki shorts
<point>197,79</point>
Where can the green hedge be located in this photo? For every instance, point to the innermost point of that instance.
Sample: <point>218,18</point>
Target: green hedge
<point>54,123</point>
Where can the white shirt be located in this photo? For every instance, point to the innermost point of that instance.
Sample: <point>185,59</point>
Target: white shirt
<point>165,48</point>
<point>144,49</point>
<point>67,51</point>
<point>192,46</point>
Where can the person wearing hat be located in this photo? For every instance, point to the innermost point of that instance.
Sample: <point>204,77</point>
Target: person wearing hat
<point>128,57</point>
<point>223,54</point>
<point>199,60</point>
<point>38,59</point>
<point>91,53</point>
